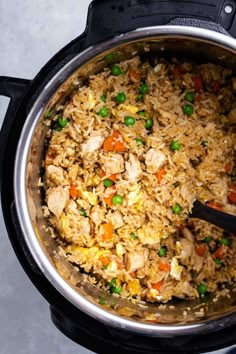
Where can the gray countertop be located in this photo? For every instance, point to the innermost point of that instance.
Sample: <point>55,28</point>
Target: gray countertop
<point>31,32</point>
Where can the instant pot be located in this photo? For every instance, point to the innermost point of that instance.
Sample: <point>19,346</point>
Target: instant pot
<point>201,30</point>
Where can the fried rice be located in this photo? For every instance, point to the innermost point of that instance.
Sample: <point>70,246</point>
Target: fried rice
<point>126,158</point>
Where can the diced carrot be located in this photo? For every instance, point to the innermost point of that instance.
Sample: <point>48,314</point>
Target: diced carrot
<point>229,167</point>
<point>177,71</point>
<point>119,146</point>
<point>201,250</point>
<point>132,274</point>
<point>197,83</point>
<point>109,144</point>
<point>160,174</point>
<point>108,200</point>
<point>104,260</point>
<point>135,76</point>
<point>111,177</point>
<point>216,86</point>
<point>116,134</point>
<point>221,252</point>
<point>107,228</point>
<point>109,194</point>
<point>165,267</point>
<point>214,206</point>
<point>74,193</point>
<point>119,265</point>
<point>232,194</point>
<point>157,286</point>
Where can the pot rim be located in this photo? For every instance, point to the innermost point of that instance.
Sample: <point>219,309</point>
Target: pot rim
<point>20,170</point>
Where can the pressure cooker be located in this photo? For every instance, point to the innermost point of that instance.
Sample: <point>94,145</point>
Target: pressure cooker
<point>203,30</point>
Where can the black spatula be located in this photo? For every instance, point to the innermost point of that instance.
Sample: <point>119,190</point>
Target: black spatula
<point>214,216</point>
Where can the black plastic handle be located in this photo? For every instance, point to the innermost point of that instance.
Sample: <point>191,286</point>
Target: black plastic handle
<point>14,89</point>
<point>107,18</point>
<point>216,217</point>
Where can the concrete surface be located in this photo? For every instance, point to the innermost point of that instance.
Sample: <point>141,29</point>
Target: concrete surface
<point>31,32</point>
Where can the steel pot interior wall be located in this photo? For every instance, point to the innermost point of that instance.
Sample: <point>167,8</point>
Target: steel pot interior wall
<point>177,317</point>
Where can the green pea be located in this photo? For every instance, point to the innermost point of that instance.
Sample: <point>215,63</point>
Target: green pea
<point>59,129</point>
<point>112,282</point>
<point>188,109</point>
<point>104,112</point>
<point>204,143</point>
<point>143,89</point>
<point>149,123</point>
<point>190,97</point>
<point>108,183</point>
<point>129,121</point>
<point>121,97</point>
<point>202,289</point>
<point>83,213</point>
<point>116,289</point>
<point>102,301</point>
<point>105,267</point>
<point>175,145</point>
<point>47,114</point>
<point>139,141</point>
<point>133,236</point>
<point>142,113</point>
<point>117,200</point>
<point>162,252</point>
<point>62,122</point>
<point>207,239</point>
<point>115,70</point>
<point>176,209</point>
<point>139,97</point>
<point>109,58</point>
<point>217,261</point>
<point>103,98</point>
<point>225,241</point>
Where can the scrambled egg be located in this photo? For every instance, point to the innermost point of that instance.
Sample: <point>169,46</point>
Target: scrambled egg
<point>148,236</point>
<point>120,250</point>
<point>130,108</point>
<point>64,223</point>
<point>90,197</point>
<point>135,196</point>
<point>134,287</point>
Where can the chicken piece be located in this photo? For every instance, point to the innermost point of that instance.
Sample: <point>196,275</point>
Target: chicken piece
<point>113,163</point>
<point>186,251</point>
<point>184,289</point>
<point>55,174</point>
<point>92,144</point>
<point>133,168</point>
<point>72,207</point>
<point>197,261</point>
<point>136,260</point>
<point>57,199</point>
<point>97,214</point>
<point>117,219</point>
<point>188,234</point>
<point>154,160</point>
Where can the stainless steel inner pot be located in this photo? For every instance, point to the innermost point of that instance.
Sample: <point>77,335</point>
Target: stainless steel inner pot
<point>179,317</point>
